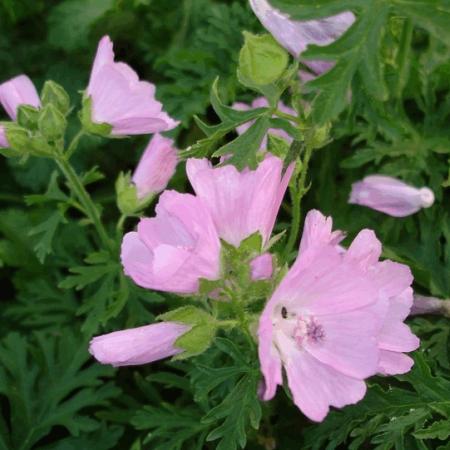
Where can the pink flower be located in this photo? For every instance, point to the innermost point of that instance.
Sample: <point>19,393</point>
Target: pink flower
<point>296,35</point>
<point>261,102</point>
<point>3,140</point>
<point>138,345</point>
<point>172,251</point>
<point>262,267</point>
<point>156,167</point>
<point>391,196</point>
<point>241,203</point>
<point>335,319</point>
<point>120,99</point>
<point>18,91</point>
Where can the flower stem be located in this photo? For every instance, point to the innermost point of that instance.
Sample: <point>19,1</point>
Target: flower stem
<point>74,144</point>
<point>297,193</point>
<point>287,116</point>
<point>120,223</point>
<point>84,198</point>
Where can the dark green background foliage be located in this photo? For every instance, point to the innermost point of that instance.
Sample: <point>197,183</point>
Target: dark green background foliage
<point>395,61</point>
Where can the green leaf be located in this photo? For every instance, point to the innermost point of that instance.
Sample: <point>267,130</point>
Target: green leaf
<point>47,230</point>
<point>171,428</point>
<point>85,275</point>
<point>48,384</point>
<point>437,430</point>
<point>244,148</point>
<point>70,22</point>
<point>396,412</point>
<point>238,410</point>
<point>432,15</point>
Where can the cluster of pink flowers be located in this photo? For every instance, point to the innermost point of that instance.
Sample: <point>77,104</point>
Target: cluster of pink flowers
<point>337,316</point>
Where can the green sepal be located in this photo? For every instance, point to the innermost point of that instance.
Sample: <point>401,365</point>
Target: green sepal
<point>54,94</point>
<point>199,338</point>
<point>126,194</point>
<point>100,129</point>
<point>127,197</point>
<point>27,117</point>
<point>252,244</point>
<point>52,124</point>
<point>207,286</point>
<point>236,261</point>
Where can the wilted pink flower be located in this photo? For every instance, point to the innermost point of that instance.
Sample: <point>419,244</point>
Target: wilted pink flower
<point>262,267</point>
<point>140,345</point>
<point>3,139</point>
<point>156,166</point>
<point>261,102</point>
<point>120,99</point>
<point>241,203</point>
<point>172,251</point>
<point>18,91</point>
<point>335,319</point>
<point>391,196</point>
<point>296,35</point>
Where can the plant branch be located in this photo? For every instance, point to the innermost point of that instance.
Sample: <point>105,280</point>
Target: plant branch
<point>88,205</point>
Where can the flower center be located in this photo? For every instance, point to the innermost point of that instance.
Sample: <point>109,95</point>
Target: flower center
<point>307,329</point>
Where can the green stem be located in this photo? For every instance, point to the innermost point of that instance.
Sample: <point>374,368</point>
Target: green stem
<point>289,117</point>
<point>297,193</point>
<point>120,223</point>
<point>88,205</point>
<point>74,144</point>
<point>241,316</point>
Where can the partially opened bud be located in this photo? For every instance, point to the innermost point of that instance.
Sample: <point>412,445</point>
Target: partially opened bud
<point>391,196</point>
<point>140,345</point>
<point>156,167</point>
<point>18,91</point>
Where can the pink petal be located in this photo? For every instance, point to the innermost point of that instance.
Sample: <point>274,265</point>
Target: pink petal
<point>391,196</point>
<point>326,285</point>
<point>262,267</point>
<point>365,250</point>
<point>315,386</point>
<point>104,55</point>
<point>269,357</point>
<point>393,363</point>
<point>350,343</point>
<point>138,345</point>
<point>241,203</point>
<point>317,232</point>
<point>156,167</point>
<point>18,91</point>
